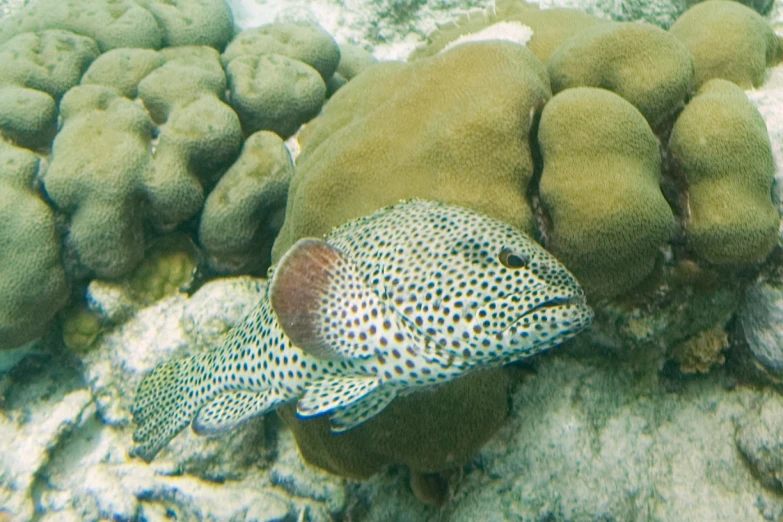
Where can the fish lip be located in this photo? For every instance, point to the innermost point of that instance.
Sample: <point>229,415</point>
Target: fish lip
<point>576,299</point>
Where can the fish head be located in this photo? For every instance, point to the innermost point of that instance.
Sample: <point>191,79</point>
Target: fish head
<point>486,292</point>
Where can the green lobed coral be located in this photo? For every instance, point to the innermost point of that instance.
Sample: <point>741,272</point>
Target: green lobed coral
<point>27,116</point>
<point>641,62</point>
<point>273,92</point>
<point>123,69</point>
<point>33,286</point>
<point>187,73</point>
<point>108,189</point>
<point>721,147</point>
<point>429,128</point>
<point>309,44</point>
<point>244,212</point>
<point>37,70</point>
<point>728,40</point>
<point>128,23</point>
<point>600,189</point>
<point>101,187</point>
<point>353,60</point>
<point>49,61</point>
<point>432,129</point>
<point>277,75</point>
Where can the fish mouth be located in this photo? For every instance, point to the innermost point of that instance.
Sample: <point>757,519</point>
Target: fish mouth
<point>575,301</point>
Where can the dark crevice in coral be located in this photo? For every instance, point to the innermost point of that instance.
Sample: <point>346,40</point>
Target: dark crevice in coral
<point>674,186</point>
<point>542,221</point>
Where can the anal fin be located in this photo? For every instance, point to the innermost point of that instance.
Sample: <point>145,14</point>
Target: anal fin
<point>326,395</point>
<point>363,410</point>
<point>231,409</point>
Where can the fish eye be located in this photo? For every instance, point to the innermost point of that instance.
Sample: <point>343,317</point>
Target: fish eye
<point>511,259</point>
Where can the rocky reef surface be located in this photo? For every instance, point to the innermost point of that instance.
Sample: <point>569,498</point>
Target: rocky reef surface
<point>654,417</point>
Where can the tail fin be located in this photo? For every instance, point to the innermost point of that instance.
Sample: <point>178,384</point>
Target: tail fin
<point>167,401</point>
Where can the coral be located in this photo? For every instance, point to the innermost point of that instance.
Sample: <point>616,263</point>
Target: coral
<point>277,74</point>
<point>273,92</point>
<point>108,187</point>
<point>700,353</point>
<point>429,432</point>
<point>81,328</point>
<point>192,22</point>
<point>120,24</point>
<point>27,116</point>
<point>38,68</point>
<point>49,61</point>
<point>199,136</point>
<point>101,186</point>
<point>353,60</point>
<point>244,212</point>
<point>721,147</point>
<point>641,62</point>
<point>128,23</point>
<point>168,266</point>
<point>305,43</point>
<point>600,188</point>
<point>32,280</point>
<point>551,27</point>
<point>122,69</point>
<point>729,41</point>
<point>187,74</point>
<point>429,128</point>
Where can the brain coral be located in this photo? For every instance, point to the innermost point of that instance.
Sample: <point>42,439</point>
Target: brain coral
<point>37,70</point>
<point>641,62</point>
<point>600,189</point>
<point>729,41</point>
<point>277,75</point>
<point>50,61</point>
<point>108,187</point>
<point>429,128</point>
<point>32,280</point>
<point>243,213</point>
<point>128,23</point>
<point>720,145</point>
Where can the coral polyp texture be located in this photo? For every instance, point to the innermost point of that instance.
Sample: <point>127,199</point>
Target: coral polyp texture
<point>244,212</point>
<point>728,40</point>
<point>429,128</point>
<point>277,75</point>
<point>720,145</point>
<point>128,23</point>
<point>600,189</point>
<point>38,68</point>
<point>33,286</point>
<point>641,62</point>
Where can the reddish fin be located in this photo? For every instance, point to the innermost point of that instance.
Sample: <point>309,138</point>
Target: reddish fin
<point>312,280</point>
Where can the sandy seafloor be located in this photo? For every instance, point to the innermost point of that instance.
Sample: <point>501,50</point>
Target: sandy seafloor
<point>586,441</point>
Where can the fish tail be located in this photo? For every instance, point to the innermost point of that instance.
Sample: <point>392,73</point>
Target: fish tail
<point>167,401</point>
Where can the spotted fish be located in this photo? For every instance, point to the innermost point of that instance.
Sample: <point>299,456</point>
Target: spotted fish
<point>409,297</point>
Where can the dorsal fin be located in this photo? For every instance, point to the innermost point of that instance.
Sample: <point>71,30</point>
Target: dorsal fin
<point>322,303</point>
